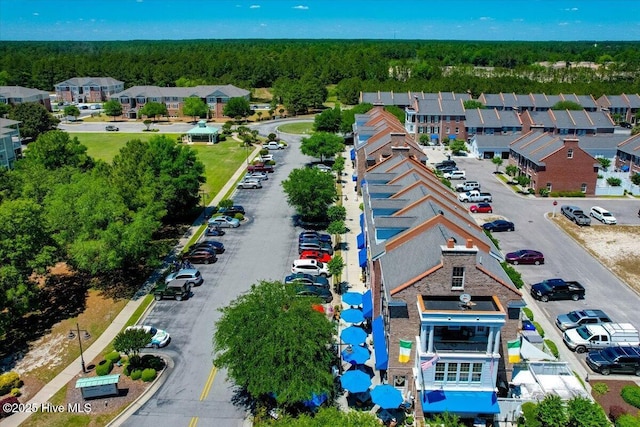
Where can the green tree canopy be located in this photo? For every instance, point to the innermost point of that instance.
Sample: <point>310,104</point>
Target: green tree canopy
<point>585,413</point>
<point>605,162</point>
<point>112,108</point>
<point>290,357</point>
<point>237,107</point>
<point>497,160</point>
<point>457,146</point>
<point>322,144</point>
<point>348,90</point>
<point>310,191</point>
<point>56,149</point>
<point>154,109</point>
<point>195,107</point>
<point>71,111</point>
<point>396,111</point>
<point>567,105</point>
<point>327,416</point>
<point>130,341</point>
<point>35,119</point>
<point>472,104</point>
<point>349,116</point>
<point>328,121</point>
<point>551,412</point>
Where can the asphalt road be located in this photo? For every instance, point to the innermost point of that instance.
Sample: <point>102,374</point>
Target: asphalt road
<point>260,249</point>
<point>563,256</point>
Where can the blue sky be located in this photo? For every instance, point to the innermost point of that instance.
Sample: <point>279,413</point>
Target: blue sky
<point>372,19</point>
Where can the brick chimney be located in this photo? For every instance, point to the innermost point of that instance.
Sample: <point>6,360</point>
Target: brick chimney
<point>469,244</point>
<point>451,243</point>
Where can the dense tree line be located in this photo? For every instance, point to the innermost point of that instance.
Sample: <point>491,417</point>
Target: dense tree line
<point>59,204</point>
<point>359,65</point>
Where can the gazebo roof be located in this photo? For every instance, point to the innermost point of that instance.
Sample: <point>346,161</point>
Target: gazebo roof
<point>203,129</point>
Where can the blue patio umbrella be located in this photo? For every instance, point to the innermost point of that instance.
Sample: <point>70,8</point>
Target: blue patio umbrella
<point>355,381</point>
<point>355,354</point>
<point>316,400</point>
<point>386,396</point>
<point>352,315</point>
<point>352,298</point>
<point>353,335</point>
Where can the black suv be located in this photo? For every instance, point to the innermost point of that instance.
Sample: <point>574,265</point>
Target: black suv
<point>621,360</point>
<point>445,163</point>
<point>167,290</point>
<point>232,211</point>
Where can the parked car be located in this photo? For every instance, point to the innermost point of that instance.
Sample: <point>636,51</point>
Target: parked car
<point>314,235</point>
<point>190,276</point>
<point>307,279</point>
<point>602,215</point>
<point>447,169</point>
<point>455,175</point>
<point>250,183</point>
<point>499,225</point>
<point>525,256</point>
<point>615,360</point>
<point>218,247</point>
<point>201,256</point>
<point>260,176</point>
<point>445,163</point>
<point>224,221</point>
<point>481,208</point>
<point>178,291</point>
<point>310,266</point>
<point>111,128</point>
<point>315,291</point>
<point>577,318</point>
<point>323,168</point>
<point>273,145</point>
<point>260,167</point>
<point>317,255</point>
<point>557,289</point>
<point>232,210</point>
<point>214,230</point>
<point>159,338</point>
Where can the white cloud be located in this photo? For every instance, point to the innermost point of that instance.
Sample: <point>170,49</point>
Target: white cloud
<point>301,7</point>
<point>562,24</point>
<point>139,1</point>
<point>36,14</point>
<point>571,9</point>
<point>263,25</point>
<point>254,6</point>
<point>486,18</point>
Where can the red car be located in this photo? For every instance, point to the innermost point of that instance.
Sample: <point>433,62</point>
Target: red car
<point>525,256</point>
<point>318,256</point>
<point>481,208</point>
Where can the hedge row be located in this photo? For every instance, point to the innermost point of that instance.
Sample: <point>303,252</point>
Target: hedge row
<point>9,381</point>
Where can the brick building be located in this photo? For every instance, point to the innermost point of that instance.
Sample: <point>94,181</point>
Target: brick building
<point>15,95</point>
<point>87,89</point>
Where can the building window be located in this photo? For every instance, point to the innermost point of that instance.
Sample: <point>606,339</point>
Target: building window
<point>476,375</point>
<point>439,372</point>
<point>583,188</point>
<point>570,153</point>
<point>452,372</point>
<point>457,131</point>
<point>448,130</point>
<point>457,280</point>
<point>549,186</point>
<point>465,370</point>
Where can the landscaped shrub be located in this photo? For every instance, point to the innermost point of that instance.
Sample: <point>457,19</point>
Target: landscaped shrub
<point>135,375</point>
<point>148,375</point>
<point>8,381</point>
<point>539,328</point>
<point>264,152</point>
<point>600,388</point>
<point>614,182</point>
<point>104,367</point>
<point>127,370</point>
<point>567,194</point>
<point>527,311</point>
<point>616,412</point>
<point>114,356</point>
<point>631,395</point>
<point>154,362</point>
<point>628,420</point>
<point>7,404</point>
<point>513,274</point>
<point>239,216</point>
<point>553,348</point>
<point>16,392</point>
<point>530,414</point>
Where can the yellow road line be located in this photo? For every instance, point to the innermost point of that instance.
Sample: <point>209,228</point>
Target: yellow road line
<point>193,422</point>
<point>209,383</point>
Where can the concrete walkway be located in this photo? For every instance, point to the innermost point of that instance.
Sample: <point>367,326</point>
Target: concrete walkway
<point>98,346</point>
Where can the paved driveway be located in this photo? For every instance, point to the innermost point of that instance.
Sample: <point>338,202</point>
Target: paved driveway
<point>260,249</point>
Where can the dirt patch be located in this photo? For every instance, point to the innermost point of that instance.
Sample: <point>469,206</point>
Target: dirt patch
<point>615,246</point>
<point>612,397</point>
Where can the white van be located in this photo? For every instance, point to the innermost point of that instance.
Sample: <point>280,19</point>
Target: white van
<point>596,337</point>
<point>310,266</point>
<point>455,175</point>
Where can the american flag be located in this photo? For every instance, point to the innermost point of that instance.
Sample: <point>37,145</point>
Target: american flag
<point>429,363</point>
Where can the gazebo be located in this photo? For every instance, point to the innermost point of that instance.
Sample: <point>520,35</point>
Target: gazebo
<point>203,132</point>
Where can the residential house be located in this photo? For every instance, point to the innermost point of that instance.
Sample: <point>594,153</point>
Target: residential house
<point>15,95</point>
<point>405,99</point>
<point>87,89</point>
<point>507,102</point>
<point>10,144</point>
<point>492,122</point>
<point>554,162</point>
<point>441,119</point>
<point>424,249</point>
<point>626,107</point>
<point>567,122</point>
<point>216,97</point>
<point>628,155</point>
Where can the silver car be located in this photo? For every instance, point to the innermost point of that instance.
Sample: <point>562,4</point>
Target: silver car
<point>260,176</point>
<point>190,276</point>
<point>250,183</point>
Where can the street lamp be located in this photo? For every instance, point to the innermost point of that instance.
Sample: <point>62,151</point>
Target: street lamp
<point>72,335</point>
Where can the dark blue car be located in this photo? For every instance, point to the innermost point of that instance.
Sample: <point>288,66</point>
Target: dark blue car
<point>499,225</point>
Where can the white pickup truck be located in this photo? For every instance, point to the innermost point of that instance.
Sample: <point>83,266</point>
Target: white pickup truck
<point>474,196</point>
<point>455,175</point>
<point>468,186</point>
<point>273,145</point>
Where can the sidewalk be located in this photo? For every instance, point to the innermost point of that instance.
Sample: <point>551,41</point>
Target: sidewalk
<point>119,322</point>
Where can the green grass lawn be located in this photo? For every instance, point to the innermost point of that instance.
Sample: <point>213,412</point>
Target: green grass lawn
<point>297,128</point>
<point>220,160</point>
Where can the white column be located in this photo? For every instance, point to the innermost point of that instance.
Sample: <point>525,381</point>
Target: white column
<point>496,345</point>
<point>423,338</point>
<point>490,340</point>
<point>430,348</point>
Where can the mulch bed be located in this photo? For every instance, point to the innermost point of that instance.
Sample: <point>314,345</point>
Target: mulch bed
<point>612,397</point>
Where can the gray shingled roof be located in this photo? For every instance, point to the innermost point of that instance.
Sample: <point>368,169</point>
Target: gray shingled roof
<point>90,81</point>
<point>492,118</point>
<point>633,100</point>
<point>183,92</point>
<point>631,145</point>
<point>536,146</point>
<point>494,142</point>
<point>21,92</point>
<point>440,107</point>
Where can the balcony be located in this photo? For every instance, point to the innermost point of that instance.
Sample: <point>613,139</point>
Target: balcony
<point>460,346</point>
<point>463,339</point>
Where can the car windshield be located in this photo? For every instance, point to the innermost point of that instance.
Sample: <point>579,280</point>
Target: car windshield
<point>153,331</point>
<point>573,316</point>
<point>583,332</point>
